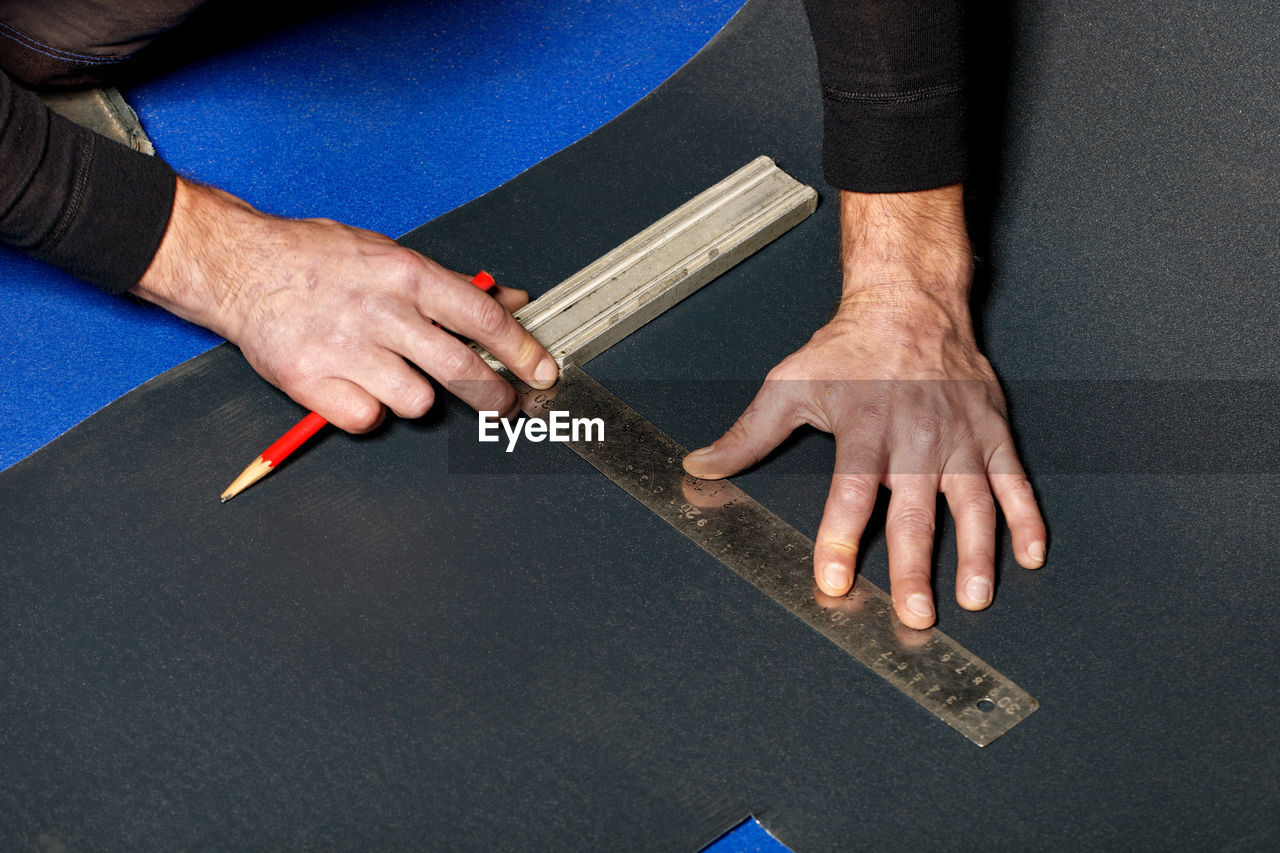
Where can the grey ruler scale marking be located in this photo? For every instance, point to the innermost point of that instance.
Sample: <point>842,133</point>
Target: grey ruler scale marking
<point>644,276</point>
<point>951,682</point>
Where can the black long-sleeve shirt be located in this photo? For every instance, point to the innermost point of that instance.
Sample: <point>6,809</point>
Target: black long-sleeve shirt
<point>892,76</point>
<point>76,200</point>
<point>892,82</point>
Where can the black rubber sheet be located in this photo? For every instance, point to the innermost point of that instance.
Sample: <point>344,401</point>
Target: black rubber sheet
<point>385,646</point>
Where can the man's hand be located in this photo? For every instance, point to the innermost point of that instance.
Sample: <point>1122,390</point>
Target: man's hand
<point>898,378</point>
<point>334,316</point>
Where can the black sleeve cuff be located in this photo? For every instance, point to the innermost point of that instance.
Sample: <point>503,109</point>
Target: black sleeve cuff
<point>116,216</point>
<point>75,199</point>
<point>892,75</point>
<point>894,143</point>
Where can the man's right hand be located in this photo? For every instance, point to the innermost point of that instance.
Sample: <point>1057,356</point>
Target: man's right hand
<point>337,317</point>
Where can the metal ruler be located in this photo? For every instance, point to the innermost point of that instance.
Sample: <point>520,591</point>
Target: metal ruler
<point>631,285</point>
<point>951,682</point>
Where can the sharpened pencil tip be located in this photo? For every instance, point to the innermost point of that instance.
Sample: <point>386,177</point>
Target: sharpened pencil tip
<point>257,469</point>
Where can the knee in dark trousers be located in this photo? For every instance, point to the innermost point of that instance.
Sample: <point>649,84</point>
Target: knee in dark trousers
<point>76,43</point>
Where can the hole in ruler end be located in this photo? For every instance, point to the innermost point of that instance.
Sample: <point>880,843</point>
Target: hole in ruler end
<point>986,705</point>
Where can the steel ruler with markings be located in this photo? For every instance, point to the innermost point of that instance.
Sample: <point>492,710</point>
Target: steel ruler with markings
<point>631,285</point>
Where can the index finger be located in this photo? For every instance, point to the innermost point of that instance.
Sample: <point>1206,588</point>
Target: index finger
<point>473,314</point>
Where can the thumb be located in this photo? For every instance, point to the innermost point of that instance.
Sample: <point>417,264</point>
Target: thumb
<point>766,422</point>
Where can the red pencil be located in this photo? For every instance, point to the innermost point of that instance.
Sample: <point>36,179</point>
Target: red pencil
<point>302,431</point>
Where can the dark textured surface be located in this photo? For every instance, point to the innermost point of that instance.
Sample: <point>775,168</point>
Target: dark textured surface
<point>368,649</point>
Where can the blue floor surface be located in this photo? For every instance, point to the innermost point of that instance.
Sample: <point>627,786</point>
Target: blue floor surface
<point>747,837</point>
<point>382,115</point>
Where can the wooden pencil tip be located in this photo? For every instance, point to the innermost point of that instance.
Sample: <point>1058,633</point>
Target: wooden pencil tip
<point>257,469</point>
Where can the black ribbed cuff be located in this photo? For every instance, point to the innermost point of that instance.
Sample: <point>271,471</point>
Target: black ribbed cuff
<point>894,143</point>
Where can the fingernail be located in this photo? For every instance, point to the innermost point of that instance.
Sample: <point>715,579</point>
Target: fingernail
<point>836,576</point>
<point>544,375</point>
<point>701,451</point>
<point>1036,550</point>
<point>978,589</point>
<point>920,605</point>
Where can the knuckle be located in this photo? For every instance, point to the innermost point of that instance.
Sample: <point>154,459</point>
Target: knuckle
<point>770,404</point>
<point>914,523</point>
<point>1019,487</point>
<point>405,261</point>
<point>453,363</point>
<point>415,402</point>
<point>342,344</point>
<point>403,271</point>
<point>489,317</point>
<point>908,580</point>
<point>376,307</point>
<point>343,335</point>
<point>738,431</point>
<point>908,577</point>
<point>925,434</point>
<point>978,503</point>
<point>848,492</point>
<point>833,548</point>
<point>362,415</point>
<point>742,428</point>
<point>530,351</point>
<point>738,437</point>
<point>299,373</point>
<point>982,555</point>
<point>503,397</point>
